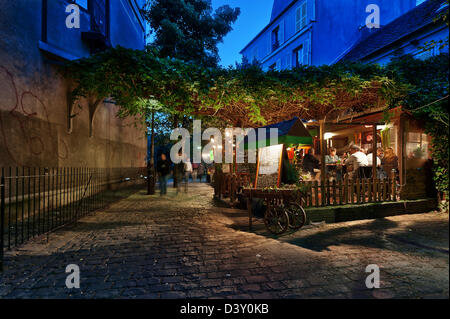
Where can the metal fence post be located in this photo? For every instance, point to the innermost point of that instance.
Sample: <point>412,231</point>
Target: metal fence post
<point>2,217</point>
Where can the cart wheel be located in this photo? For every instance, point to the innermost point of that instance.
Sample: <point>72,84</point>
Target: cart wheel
<point>276,220</point>
<point>297,215</point>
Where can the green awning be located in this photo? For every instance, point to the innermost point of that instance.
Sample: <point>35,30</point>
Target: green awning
<point>291,132</point>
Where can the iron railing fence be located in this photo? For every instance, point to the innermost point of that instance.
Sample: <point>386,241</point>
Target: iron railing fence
<point>35,201</point>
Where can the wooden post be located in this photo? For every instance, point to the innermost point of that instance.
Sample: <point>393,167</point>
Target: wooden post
<point>374,155</point>
<point>310,197</point>
<point>394,190</point>
<point>346,190</point>
<point>316,193</point>
<point>363,192</point>
<point>232,188</point>
<point>352,190</point>
<point>358,190</point>
<point>322,158</point>
<point>376,194</point>
<point>249,209</point>
<point>386,190</point>
<point>334,192</point>
<point>327,190</point>
<point>374,152</point>
<point>401,152</point>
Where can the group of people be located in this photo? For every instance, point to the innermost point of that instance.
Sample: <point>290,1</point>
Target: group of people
<point>184,171</point>
<point>356,163</point>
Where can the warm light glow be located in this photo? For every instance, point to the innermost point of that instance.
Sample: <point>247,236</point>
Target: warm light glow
<point>327,136</point>
<point>381,127</point>
<point>212,139</point>
<point>220,147</point>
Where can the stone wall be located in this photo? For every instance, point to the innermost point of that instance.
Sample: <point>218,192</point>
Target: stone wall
<point>34,112</point>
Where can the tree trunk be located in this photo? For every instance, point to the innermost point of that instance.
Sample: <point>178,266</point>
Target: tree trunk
<point>151,163</point>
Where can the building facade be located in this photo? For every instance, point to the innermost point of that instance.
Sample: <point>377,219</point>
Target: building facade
<point>38,127</point>
<point>410,33</point>
<point>317,32</point>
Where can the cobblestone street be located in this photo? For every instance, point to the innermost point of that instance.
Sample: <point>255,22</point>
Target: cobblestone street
<point>187,247</point>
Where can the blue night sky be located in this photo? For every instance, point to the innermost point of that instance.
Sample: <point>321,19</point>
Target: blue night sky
<point>255,15</point>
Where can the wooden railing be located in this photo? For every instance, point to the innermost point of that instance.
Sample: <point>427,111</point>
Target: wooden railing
<point>349,191</point>
<point>316,194</point>
<point>229,185</point>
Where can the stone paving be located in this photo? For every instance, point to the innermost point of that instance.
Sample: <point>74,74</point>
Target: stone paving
<point>187,247</point>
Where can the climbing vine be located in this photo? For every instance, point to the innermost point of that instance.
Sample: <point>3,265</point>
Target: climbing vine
<point>243,96</point>
<point>246,96</point>
<point>427,99</point>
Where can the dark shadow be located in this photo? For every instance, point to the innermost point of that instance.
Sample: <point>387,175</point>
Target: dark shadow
<point>371,233</point>
<point>321,240</point>
<point>220,203</point>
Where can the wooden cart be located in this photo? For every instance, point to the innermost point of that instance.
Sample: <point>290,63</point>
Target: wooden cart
<point>278,201</point>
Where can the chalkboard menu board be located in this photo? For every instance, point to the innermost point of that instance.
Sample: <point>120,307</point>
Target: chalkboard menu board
<point>269,166</point>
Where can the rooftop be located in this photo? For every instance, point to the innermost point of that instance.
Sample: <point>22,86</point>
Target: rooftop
<point>415,20</point>
<point>278,7</point>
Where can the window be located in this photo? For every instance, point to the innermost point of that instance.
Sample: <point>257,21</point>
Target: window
<point>301,55</point>
<point>417,146</point>
<point>298,56</point>
<point>276,38</point>
<point>301,16</point>
<point>98,16</point>
<point>98,11</point>
<point>278,65</point>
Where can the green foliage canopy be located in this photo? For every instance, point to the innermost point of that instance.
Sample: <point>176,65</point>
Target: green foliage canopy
<point>189,29</point>
<point>246,95</point>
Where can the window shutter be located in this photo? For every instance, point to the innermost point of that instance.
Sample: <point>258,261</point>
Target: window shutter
<point>281,34</point>
<point>306,53</point>
<point>269,43</point>
<point>278,65</point>
<point>298,19</point>
<point>304,14</point>
<point>289,61</point>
